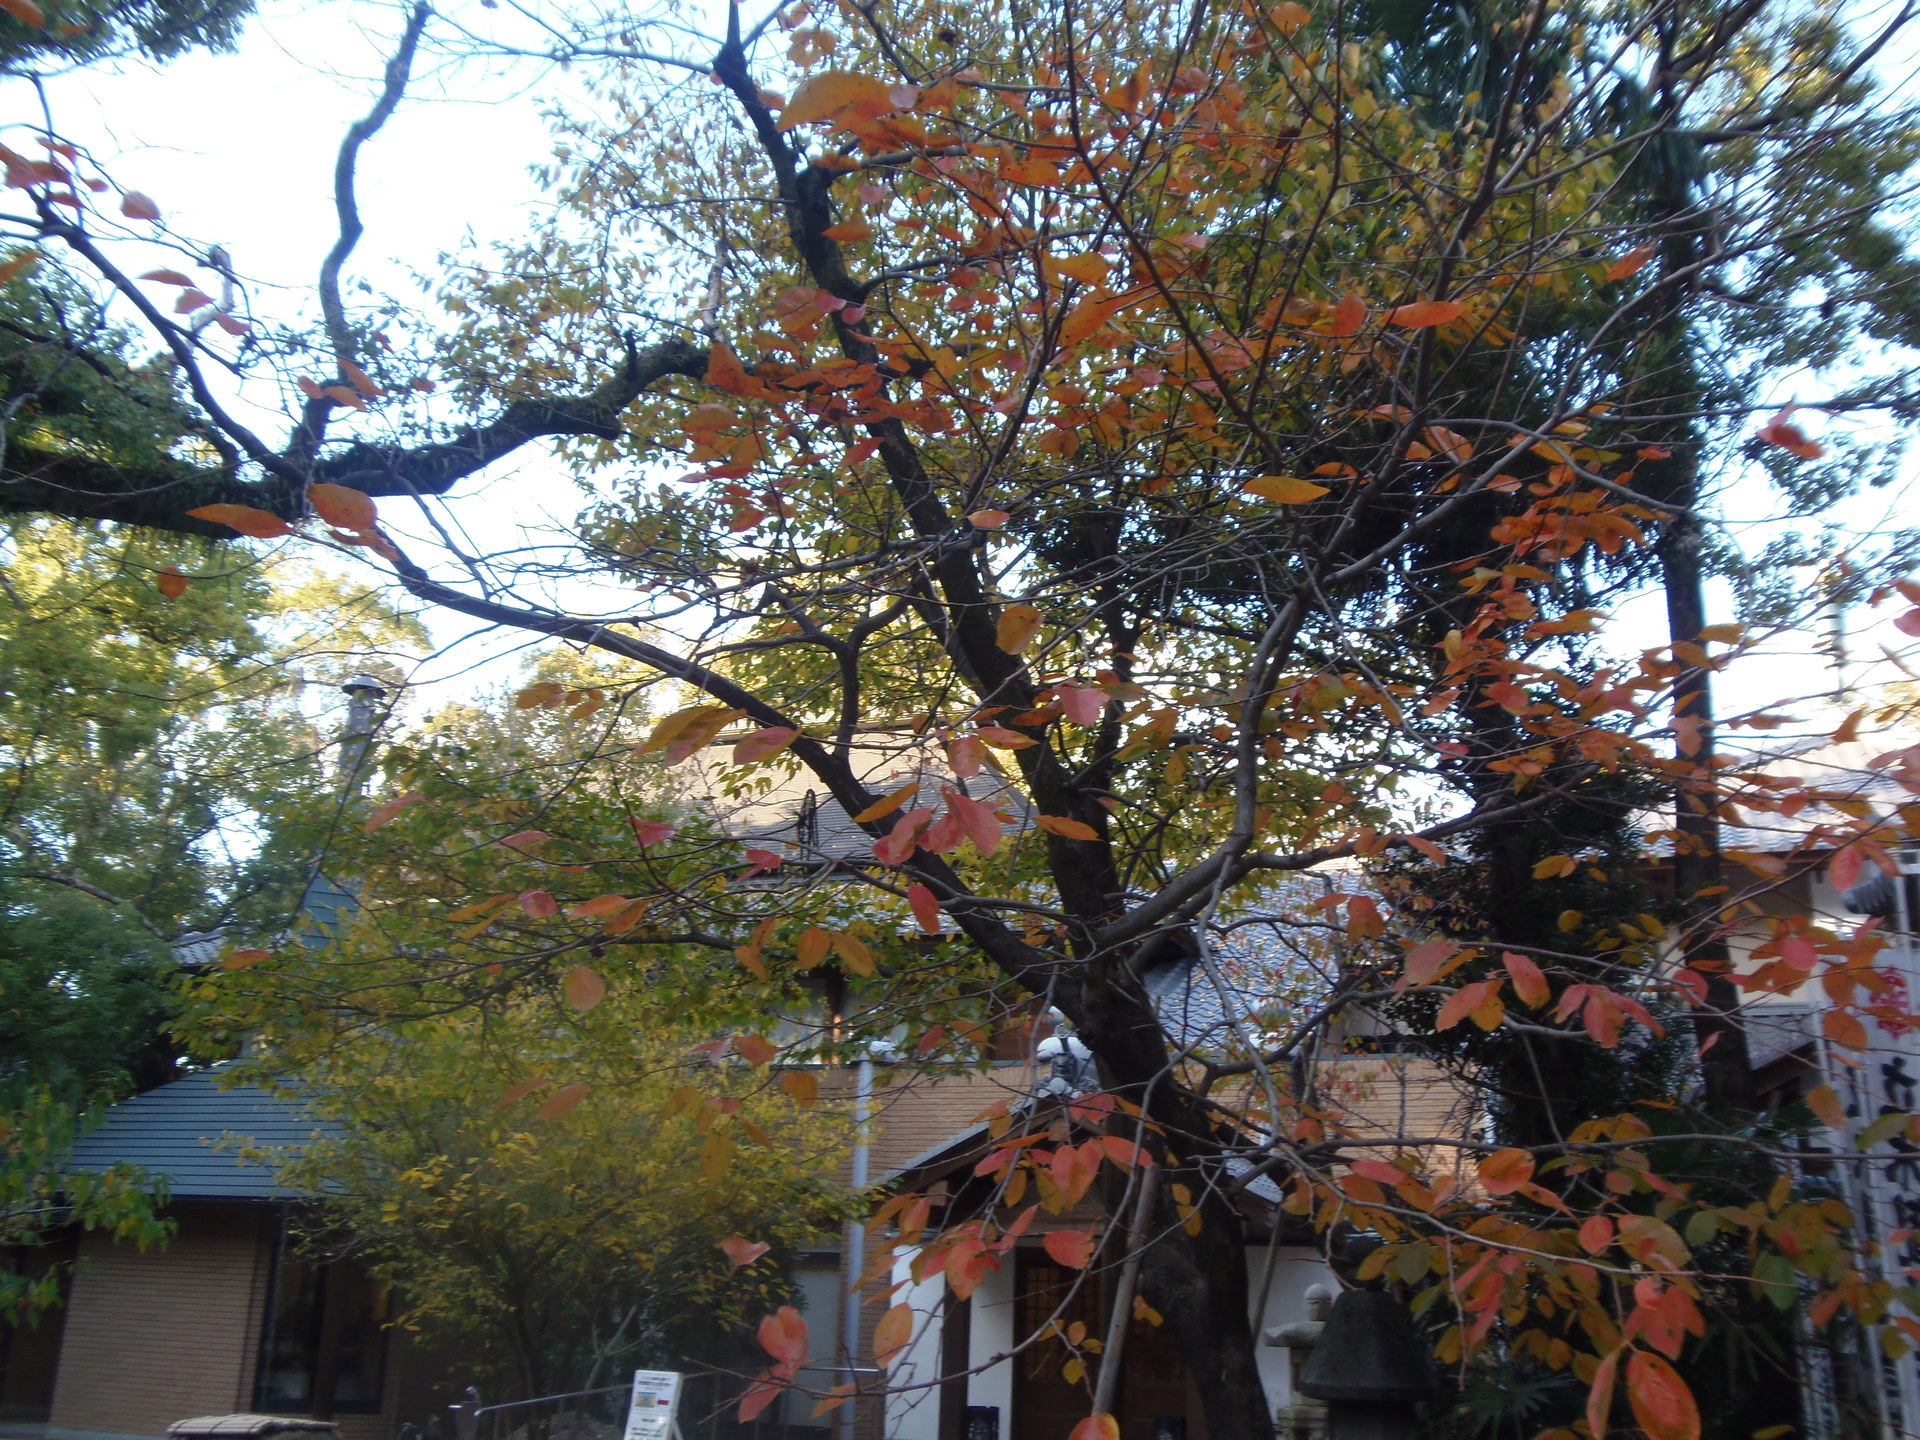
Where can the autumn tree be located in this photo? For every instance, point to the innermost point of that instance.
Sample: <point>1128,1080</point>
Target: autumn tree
<point>1176,413</point>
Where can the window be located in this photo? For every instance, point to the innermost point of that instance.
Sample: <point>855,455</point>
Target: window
<point>323,1347</point>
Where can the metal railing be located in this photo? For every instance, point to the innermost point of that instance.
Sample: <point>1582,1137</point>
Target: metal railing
<point>708,1411</point>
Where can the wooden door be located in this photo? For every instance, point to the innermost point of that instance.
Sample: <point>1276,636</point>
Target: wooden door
<point>1155,1400</point>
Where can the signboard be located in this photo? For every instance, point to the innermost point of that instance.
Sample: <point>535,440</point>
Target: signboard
<point>650,1414</point>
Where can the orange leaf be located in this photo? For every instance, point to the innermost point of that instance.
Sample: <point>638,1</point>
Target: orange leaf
<point>539,904</point>
<point>598,906</point>
<point>1600,1396</point>
<point>1630,263</point>
<point>259,524</point>
<point>583,987</point>
<point>783,1335</point>
<point>133,204</point>
<point>1826,1104</point>
<point>1096,1427</point>
<point>1066,829</point>
<point>1528,983</point>
<point>1424,313</point>
<point>762,743</point>
<point>893,1332</point>
<point>1424,961</point>
<point>801,1086</point>
<point>887,804</point>
<point>167,277</point>
<point>743,1252</point>
<point>384,812</point>
<point>1661,1401</point>
<point>988,519</point>
<point>1596,1234</point>
<point>19,265</point>
<point>1348,316</point>
<point>171,583</point>
<point>849,231</point>
<point>926,909</point>
<point>26,12</point>
<point>1505,1171</point>
<point>1844,1029</point>
<point>1071,1248</point>
<point>563,1100</point>
<point>342,507</point>
<point>1790,437</point>
<point>521,1091</point>
<point>812,947</point>
<point>759,1395</point>
<point>360,380</point>
<point>241,959</point>
<point>753,1049</point>
<point>1463,1002</point>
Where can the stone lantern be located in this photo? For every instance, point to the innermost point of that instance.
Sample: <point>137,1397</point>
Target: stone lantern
<point>1370,1365</point>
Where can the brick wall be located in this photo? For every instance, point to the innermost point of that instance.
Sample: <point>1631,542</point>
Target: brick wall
<point>156,1336</point>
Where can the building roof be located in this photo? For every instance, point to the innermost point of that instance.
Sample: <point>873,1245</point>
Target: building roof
<point>787,812</point>
<point>206,1140</point>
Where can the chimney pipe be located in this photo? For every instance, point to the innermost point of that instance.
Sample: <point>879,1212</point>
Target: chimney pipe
<point>364,694</point>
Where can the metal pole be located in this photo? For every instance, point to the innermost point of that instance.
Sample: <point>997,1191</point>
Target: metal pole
<point>856,1247</point>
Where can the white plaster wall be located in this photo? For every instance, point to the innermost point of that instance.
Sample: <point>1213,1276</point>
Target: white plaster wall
<point>991,1333</point>
<point>1294,1269</point>
<point>914,1414</point>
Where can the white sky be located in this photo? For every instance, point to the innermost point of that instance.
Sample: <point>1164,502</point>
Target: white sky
<point>239,149</point>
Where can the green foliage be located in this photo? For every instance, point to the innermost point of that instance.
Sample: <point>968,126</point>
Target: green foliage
<point>80,31</point>
<point>556,1250</point>
<point>42,1194</point>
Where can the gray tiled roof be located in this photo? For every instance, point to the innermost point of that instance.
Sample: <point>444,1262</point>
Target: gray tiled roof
<point>193,1132</point>
<point>790,814</point>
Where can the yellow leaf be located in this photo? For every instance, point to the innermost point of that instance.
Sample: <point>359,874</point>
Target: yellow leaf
<point>685,731</point>
<point>1089,268</point>
<point>1016,627</point>
<point>832,94</point>
<point>1283,489</point>
<point>716,1153</point>
<point>853,952</point>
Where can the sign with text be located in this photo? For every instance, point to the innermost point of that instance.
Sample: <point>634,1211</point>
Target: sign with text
<point>650,1414</point>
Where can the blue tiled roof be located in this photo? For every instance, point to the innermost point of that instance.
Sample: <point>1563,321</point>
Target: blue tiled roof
<point>196,1133</point>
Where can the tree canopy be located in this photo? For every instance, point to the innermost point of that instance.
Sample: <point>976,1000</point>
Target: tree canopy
<point>1126,458</point>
